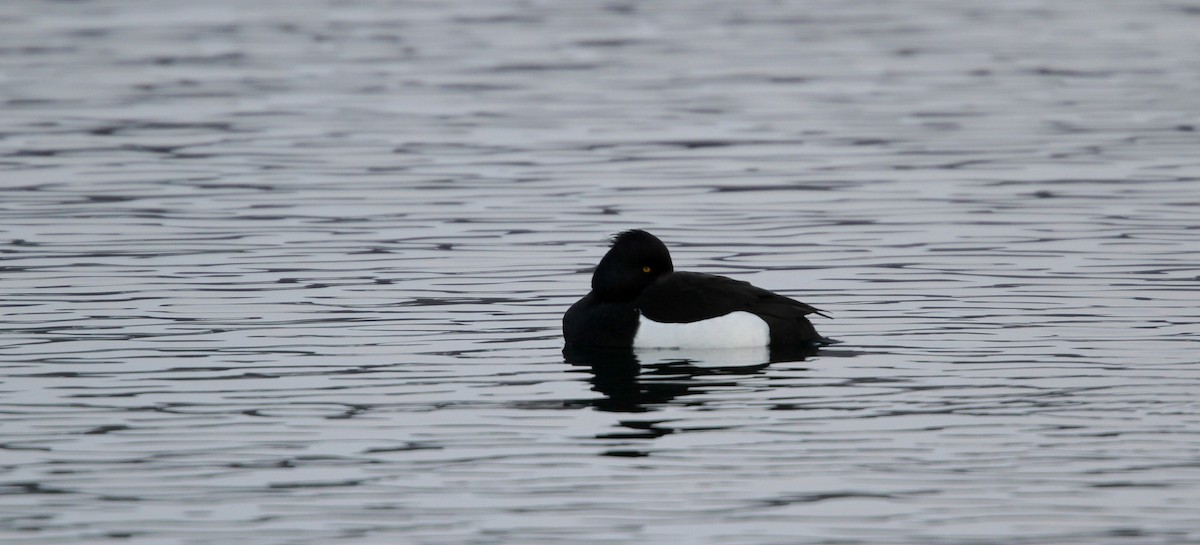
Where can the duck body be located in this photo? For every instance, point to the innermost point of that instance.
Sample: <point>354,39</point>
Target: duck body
<point>639,300</point>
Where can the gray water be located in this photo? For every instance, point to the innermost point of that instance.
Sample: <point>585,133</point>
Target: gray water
<point>292,272</point>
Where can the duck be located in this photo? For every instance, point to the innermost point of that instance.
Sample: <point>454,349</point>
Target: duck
<point>638,300</point>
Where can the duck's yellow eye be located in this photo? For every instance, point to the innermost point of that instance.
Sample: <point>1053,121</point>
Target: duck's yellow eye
<point>646,268</point>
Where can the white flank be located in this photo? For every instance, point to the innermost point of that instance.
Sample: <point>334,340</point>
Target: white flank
<point>731,330</point>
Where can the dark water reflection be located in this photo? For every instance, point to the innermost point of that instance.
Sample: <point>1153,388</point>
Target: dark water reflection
<point>292,273</point>
<point>637,382</point>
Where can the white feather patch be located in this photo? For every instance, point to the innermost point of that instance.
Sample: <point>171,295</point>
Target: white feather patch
<point>731,330</point>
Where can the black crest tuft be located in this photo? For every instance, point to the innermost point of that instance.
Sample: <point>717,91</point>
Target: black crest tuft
<point>631,236</point>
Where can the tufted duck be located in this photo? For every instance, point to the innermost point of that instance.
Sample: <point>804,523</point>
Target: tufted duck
<point>638,300</point>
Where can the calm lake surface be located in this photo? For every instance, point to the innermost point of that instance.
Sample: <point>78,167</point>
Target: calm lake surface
<point>292,272</point>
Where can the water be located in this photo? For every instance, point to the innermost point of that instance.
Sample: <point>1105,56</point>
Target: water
<point>292,272</point>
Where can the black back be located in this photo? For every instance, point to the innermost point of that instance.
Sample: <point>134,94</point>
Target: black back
<point>685,297</point>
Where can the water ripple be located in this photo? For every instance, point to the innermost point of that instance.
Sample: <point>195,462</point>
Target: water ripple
<point>296,276</point>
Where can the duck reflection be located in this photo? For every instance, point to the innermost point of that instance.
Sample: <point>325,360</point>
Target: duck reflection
<point>636,381</point>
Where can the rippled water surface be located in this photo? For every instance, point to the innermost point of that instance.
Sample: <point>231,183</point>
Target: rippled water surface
<point>292,272</point>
